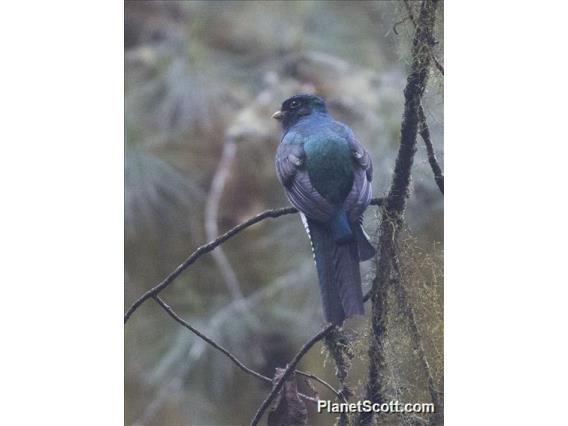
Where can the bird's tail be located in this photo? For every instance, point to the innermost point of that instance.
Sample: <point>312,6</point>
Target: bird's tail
<point>338,272</point>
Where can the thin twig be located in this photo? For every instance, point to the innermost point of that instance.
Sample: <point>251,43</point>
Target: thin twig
<point>323,382</point>
<point>438,64</point>
<point>220,348</point>
<point>289,370</point>
<point>425,134</point>
<point>402,21</point>
<point>210,246</point>
<point>206,248</point>
<point>311,387</point>
<point>214,324</point>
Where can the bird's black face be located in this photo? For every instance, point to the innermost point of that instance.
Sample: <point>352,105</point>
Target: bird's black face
<point>296,107</point>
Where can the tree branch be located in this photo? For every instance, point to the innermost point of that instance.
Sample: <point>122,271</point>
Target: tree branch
<point>377,362</point>
<point>410,13</point>
<point>321,381</point>
<point>214,323</point>
<point>206,248</point>
<point>220,348</point>
<point>437,64</point>
<point>210,246</point>
<point>289,370</point>
<point>232,357</point>
<point>411,17</point>
<point>211,214</point>
<point>425,134</point>
<point>395,203</point>
<point>406,308</point>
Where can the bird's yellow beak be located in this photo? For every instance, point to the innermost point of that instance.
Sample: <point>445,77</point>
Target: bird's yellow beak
<point>277,115</point>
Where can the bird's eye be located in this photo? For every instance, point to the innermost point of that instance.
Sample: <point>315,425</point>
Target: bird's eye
<point>294,104</point>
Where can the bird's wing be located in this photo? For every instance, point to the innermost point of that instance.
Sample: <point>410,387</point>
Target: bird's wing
<point>361,156</point>
<point>360,195</point>
<point>292,174</point>
<point>289,158</point>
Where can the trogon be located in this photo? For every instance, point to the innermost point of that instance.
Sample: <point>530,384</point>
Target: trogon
<point>327,175</point>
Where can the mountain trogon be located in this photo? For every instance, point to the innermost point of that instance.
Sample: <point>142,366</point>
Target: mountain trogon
<point>327,175</point>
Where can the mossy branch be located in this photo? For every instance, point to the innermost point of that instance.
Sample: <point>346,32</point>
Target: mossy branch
<point>395,202</point>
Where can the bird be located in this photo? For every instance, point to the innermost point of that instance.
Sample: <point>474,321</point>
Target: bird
<point>326,174</point>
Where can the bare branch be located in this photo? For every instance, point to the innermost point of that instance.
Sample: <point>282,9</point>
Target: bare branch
<point>323,382</point>
<point>211,216</point>
<point>210,246</point>
<point>220,348</point>
<point>402,21</point>
<point>425,134</point>
<point>437,64</point>
<point>206,248</point>
<point>214,323</point>
<point>289,370</point>
<point>232,357</point>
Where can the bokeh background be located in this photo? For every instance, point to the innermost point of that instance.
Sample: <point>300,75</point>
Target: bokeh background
<point>201,82</point>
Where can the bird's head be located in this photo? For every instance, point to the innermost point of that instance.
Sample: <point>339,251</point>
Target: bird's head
<point>296,107</point>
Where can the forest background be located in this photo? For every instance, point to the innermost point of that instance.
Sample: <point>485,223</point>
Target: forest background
<point>201,81</point>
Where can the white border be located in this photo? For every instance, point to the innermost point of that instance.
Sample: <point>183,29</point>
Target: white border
<point>506,216</point>
<point>61,218</point>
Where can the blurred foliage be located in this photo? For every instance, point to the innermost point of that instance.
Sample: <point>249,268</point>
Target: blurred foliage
<point>196,73</point>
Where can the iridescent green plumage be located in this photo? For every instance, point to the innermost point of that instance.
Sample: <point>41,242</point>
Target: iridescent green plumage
<point>327,175</point>
<point>329,162</point>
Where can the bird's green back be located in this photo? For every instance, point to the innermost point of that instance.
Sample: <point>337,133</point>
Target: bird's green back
<point>329,165</point>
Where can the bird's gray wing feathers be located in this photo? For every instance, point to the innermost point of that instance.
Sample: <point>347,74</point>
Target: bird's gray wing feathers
<point>360,195</point>
<point>289,157</point>
<point>361,156</point>
<point>296,181</point>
